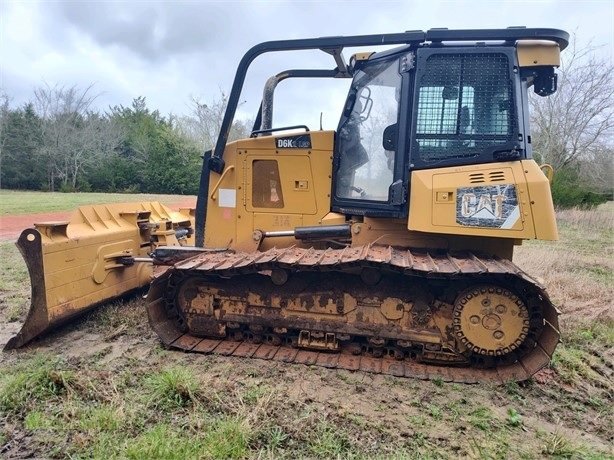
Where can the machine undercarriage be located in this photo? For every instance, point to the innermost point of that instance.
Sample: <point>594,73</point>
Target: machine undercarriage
<point>374,308</point>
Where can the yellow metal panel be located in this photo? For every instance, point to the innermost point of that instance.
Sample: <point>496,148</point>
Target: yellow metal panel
<point>320,140</point>
<point>272,222</point>
<point>224,199</point>
<point>393,232</point>
<point>305,173</point>
<point>538,53</point>
<point>333,218</point>
<point>296,184</point>
<point>304,177</point>
<point>77,264</point>
<point>479,200</point>
<point>540,199</point>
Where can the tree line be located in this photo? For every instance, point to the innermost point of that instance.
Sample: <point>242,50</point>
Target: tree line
<point>59,142</point>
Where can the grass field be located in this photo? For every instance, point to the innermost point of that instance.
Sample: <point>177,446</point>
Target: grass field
<point>13,202</point>
<point>103,387</point>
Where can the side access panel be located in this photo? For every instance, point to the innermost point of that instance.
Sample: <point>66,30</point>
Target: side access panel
<point>501,200</point>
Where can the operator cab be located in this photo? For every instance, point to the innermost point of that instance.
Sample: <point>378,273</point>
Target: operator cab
<point>444,98</point>
<point>421,107</point>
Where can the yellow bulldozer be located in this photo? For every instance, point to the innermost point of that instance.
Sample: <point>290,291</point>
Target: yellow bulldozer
<point>384,246</point>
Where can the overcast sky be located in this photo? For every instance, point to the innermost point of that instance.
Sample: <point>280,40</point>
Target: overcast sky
<point>170,51</point>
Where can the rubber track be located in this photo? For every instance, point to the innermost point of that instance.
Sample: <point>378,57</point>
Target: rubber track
<point>409,262</point>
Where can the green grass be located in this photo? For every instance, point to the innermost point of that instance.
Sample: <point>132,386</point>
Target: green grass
<point>481,417</point>
<point>27,202</point>
<point>513,417</point>
<point>588,333</point>
<point>580,355</point>
<point>575,364</point>
<point>14,282</point>
<point>557,445</point>
<point>105,417</point>
<point>329,441</point>
<point>173,387</point>
<point>148,409</point>
<point>222,439</point>
<point>39,420</point>
<point>37,382</point>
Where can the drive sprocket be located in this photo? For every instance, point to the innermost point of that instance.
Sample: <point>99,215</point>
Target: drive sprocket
<point>490,321</point>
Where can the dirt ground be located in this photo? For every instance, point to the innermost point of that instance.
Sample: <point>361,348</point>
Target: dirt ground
<point>556,412</point>
<point>12,226</point>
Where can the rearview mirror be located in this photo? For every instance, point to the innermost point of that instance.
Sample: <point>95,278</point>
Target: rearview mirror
<point>544,83</point>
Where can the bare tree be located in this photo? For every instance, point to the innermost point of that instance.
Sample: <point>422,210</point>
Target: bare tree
<point>576,121</point>
<point>74,135</point>
<point>597,169</point>
<point>204,125</point>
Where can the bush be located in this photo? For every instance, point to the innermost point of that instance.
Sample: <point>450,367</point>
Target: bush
<point>65,187</point>
<point>569,192</point>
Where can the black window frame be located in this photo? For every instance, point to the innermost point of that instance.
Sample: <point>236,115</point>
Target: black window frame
<point>515,148</point>
<point>396,206</point>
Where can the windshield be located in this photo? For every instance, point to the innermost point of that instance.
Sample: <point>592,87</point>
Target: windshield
<point>367,136</point>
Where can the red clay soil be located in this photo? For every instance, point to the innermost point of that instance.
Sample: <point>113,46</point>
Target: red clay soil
<point>12,226</point>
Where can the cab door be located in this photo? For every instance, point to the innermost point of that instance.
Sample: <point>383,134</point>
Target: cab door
<point>370,166</point>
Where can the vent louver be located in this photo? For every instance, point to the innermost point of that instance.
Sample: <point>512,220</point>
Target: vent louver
<point>476,178</point>
<point>496,176</point>
<point>482,178</point>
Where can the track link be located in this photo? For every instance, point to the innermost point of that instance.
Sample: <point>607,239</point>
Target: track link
<point>532,355</point>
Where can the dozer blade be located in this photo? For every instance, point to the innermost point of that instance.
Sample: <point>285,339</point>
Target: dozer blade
<point>78,264</point>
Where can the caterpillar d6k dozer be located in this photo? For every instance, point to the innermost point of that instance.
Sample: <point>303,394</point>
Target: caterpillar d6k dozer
<point>383,246</point>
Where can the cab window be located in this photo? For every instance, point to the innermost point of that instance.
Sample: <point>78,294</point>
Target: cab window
<point>464,106</point>
<point>366,161</point>
<point>266,188</point>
